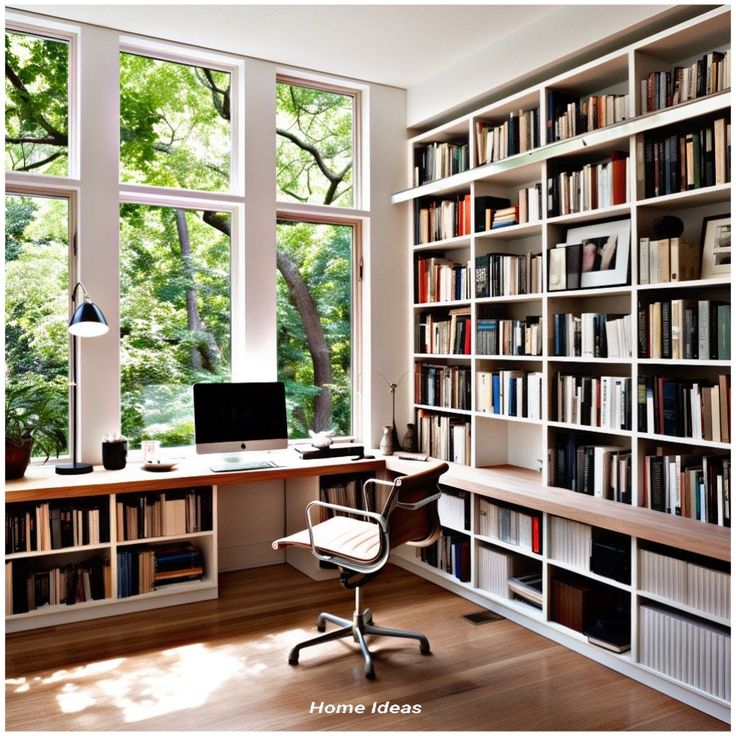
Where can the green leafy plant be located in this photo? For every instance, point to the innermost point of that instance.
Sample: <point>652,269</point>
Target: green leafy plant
<point>35,411</point>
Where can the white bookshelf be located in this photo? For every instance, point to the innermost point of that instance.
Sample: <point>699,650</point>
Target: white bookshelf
<point>519,443</point>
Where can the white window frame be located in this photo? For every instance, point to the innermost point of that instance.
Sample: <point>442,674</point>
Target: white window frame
<point>328,214</point>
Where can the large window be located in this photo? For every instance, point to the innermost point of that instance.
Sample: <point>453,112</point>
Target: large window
<point>174,316</point>
<point>315,309</point>
<point>36,104</point>
<point>37,299</point>
<point>174,124</point>
<point>314,145</point>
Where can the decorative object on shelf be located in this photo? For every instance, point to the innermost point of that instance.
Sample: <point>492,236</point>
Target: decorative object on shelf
<point>668,226</point>
<point>87,321</point>
<point>716,242</point>
<point>410,438</point>
<point>386,445</point>
<point>321,440</point>
<point>158,466</point>
<point>151,449</point>
<point>605,253</point>
<point>114,452</point>
<point>34,416</point>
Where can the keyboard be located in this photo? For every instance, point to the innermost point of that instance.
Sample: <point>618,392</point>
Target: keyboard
<point>254,465</point>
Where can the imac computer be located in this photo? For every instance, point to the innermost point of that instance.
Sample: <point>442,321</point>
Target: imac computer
<point>234,420</point>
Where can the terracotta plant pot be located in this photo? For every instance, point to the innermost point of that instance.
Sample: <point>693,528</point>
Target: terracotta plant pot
<point>17,458</point>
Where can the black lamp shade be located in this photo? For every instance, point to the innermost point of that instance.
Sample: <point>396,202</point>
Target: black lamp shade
<point>88,320</point>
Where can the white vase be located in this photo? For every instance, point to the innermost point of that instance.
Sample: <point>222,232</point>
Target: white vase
<point>387,442</point>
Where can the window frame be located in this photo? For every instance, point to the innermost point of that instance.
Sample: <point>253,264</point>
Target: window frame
<point>68,33</point>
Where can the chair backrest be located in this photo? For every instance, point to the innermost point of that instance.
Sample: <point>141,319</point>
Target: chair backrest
<point>420,527</point>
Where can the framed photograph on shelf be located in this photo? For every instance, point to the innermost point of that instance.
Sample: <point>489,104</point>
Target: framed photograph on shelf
<point>605,253</point>
<point>716,242</point>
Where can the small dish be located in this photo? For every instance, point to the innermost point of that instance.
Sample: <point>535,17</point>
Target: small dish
<point>159,467</point>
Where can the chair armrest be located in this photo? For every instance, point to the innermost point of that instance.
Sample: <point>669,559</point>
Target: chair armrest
<point>419,504</point>
<point>374,481</point>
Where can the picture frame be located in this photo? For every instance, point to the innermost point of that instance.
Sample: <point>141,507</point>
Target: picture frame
<point>715,241</point>
<point>606,248</point>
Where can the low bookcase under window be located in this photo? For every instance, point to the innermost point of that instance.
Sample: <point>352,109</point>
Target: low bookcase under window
<point>81,557</point>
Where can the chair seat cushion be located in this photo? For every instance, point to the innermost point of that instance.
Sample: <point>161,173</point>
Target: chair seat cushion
<point>340,536</point>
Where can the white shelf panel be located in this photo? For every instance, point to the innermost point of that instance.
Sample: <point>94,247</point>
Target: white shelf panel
<point>684,608</point>
<point>589,574</point>
<point>696,283</point>
<point>684,440</point>
<point>506,418</point>
<point>443,409</point>
<point>578,359</point>
<point>694,363</point>
<point>169,538</point>
<point>506,545</point>
<point>443,356</point>
<point>54,552</point>
<point>526,358</point>
<point>527,609</point>
<point>599,291</point>
<point>690,198</point>
<point>449,304</point>
<point>62,607</point>
<point>588,428</point>
<point>587,215</point>
<point>461,241</point>
<point>171,589</point>
<point>512,232</point>
<point>509,298</point>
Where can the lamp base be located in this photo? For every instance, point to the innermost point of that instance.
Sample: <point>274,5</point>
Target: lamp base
<point>73,468</point>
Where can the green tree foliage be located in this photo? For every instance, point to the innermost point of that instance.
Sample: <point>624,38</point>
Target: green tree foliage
<point>314,146</point>
<point>36,295</point>
<point>36,104</point>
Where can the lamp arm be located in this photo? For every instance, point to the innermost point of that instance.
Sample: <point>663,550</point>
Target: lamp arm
<point>85,293</point>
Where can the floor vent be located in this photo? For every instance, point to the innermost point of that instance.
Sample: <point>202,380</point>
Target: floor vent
<point>482,617</point>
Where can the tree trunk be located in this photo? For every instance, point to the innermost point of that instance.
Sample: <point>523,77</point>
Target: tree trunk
<point>316,342</point>
<point>204,355</point>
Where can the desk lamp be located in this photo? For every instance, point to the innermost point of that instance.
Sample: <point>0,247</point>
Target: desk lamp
<point>87,321</point>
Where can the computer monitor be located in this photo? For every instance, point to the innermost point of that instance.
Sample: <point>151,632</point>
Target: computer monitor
<point>236,417</point>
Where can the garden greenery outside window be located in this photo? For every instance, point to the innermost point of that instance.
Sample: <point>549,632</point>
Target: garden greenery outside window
<point>36,104</point>
<point>37,300</point>
<point>174,316</point>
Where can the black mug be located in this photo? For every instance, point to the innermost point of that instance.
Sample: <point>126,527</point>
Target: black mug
<point>114,455</point>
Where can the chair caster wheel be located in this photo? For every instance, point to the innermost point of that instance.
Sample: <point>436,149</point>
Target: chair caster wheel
<point>321,628</point>
<point>424,649</point>
<point>293,659</point>
<point>370,673</point>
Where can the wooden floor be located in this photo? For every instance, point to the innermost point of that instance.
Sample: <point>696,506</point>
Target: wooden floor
<point>221,665</point>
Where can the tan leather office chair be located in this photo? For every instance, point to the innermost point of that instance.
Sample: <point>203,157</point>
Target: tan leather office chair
<point>360,548</point>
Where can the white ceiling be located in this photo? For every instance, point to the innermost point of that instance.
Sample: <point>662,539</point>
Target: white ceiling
<point>399,45</point>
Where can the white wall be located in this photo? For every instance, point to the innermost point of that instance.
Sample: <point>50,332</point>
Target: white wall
<point>539,50</point>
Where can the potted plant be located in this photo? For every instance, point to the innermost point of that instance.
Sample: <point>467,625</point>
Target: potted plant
<point>35,417</point>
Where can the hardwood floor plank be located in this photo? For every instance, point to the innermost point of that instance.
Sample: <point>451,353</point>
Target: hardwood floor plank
<point>221,665</point>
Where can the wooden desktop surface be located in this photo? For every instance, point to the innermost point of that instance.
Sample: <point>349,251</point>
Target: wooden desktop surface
<point>41,481</point>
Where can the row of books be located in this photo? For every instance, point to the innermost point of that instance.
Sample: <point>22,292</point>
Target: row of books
<point>450,553</point>
<point>510,393</point>
<point>454,510</point>
<point>594,186</point>
<point>504,274</point>
<point>437,160</point>
<point>509,336</point>
<point>592,335</point>
<point>441,280</point>
<point>694,486</point>
<point>521,528</point>
<point>343,493</point>
<point>694,408</point>
<point>440,219</point>
<point>603,471</point>
<point>518,134</point>
<point>570,542</point>
<point>144,570</point>
<point>685,581</point>
<point>63,585</point>
<point>444,334</point>
<point>446,386</point>
<point>686,649</point>
<point>591,113</point>
<point>685,329</point>
<point>146,515</point>
<point>594,401</point>
<point>668,259</point>
<point>443,437</point>
<point>506,575</point>
<point>679,160</point>
<point>709,74</point>
<point>45,526</point>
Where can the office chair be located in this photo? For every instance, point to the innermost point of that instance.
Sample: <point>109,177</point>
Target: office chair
<point>360,548</point>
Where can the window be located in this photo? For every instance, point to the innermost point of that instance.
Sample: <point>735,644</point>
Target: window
<point>314,322</point>
<point>36,104</point>
<point>174,124</point>
<point>174,316</point>
<point>314,145</point>
<point>37,298</point>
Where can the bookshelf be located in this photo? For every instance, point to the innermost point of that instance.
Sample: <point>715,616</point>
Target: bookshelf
<point>509,450</point>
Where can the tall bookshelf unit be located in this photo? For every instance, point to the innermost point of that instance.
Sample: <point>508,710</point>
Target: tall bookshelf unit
<point>516,455</point>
